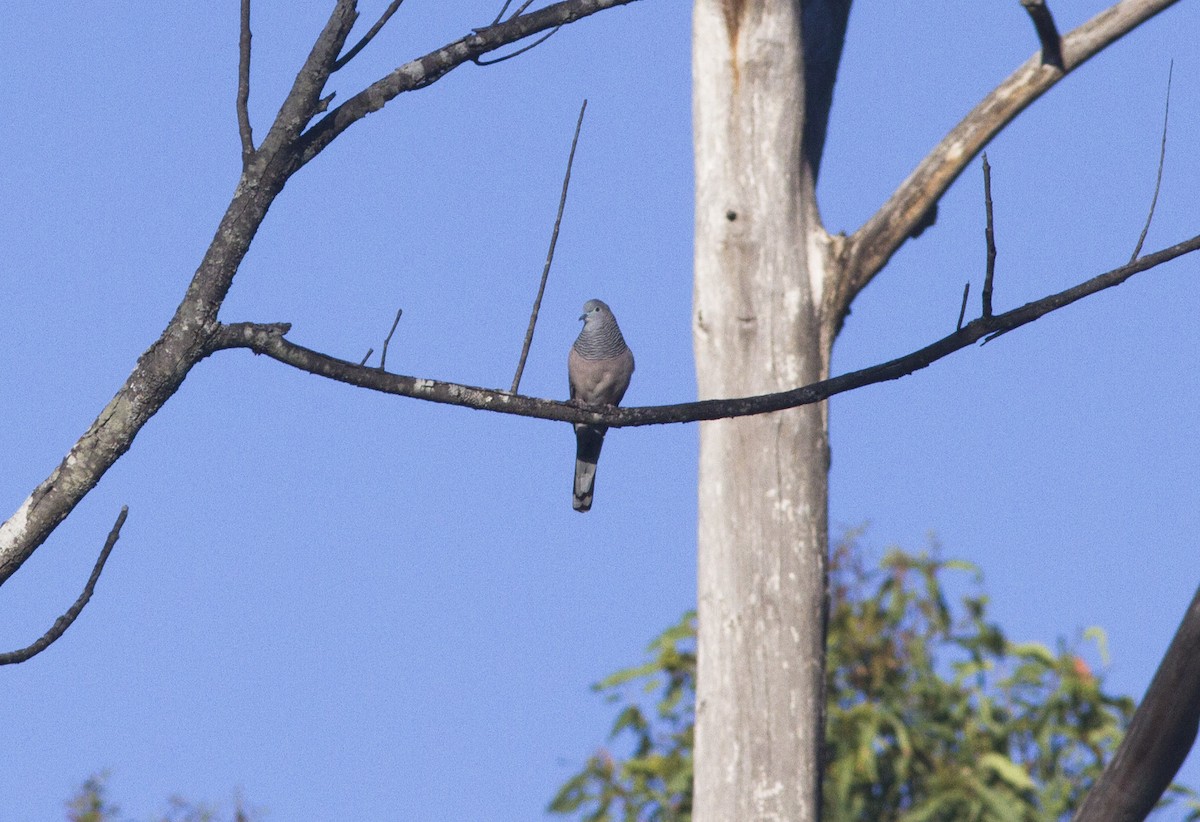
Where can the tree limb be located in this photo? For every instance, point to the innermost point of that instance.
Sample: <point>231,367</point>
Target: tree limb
<point>187,338</point>
<point>1159,737</point>
<point>989,235</point>
<point>872,245</point>
<point>424,71</point>
<point>304,100</point>
<point>61,624</point>
<point>1162,159</point>
<point>369,36</point>
<point>245,131</point>
<point>824,33</point>
<point>537,301</point>
<point>1047,32</point>
<point>269,341</point>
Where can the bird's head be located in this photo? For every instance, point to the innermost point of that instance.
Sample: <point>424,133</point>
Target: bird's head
<point>594,310</point>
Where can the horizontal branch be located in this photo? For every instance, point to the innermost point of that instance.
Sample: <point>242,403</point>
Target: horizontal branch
<point>269,341</point>
<point>423,71</point>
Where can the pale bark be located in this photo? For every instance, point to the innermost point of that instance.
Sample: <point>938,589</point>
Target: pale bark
<point>763,480</point>
<point>771,290</point>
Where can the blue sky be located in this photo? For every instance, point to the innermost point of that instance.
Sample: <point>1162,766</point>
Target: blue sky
<point>355,606</point>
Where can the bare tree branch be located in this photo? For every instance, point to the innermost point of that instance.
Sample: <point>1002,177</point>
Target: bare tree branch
<point>824,36</point>
<point>1047,32</point>
<point>1159,737</point>
<point>479,61</point>
<point>61,624</point>
<point>187,338</point>
<point>537,301</point>
<point>268,340</point>
<point>869,248</point>
<point>989,234</point>
<point>194,333</point>
<point>245,131</point>
<point>369,36</point>
<point>516,13</point>
<point>962,309</point>
<point>503,9</point>
<point>1162,158</point>
<point>304,100</point>
<point>424,71</point>
<point>388,340</point>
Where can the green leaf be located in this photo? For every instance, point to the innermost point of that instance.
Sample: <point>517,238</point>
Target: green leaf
<point>1009,771</point>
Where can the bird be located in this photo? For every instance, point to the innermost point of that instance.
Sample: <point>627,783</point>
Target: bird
<point>598,369</point>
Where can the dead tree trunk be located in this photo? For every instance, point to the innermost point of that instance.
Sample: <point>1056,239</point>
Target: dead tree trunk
<point>760,258</point>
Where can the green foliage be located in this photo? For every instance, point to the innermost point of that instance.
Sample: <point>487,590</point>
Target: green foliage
<point>655,781</point>
<point>933,714</point>
<point>91,804</point>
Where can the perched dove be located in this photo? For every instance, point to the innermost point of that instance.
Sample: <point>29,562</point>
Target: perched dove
<point>598,367</point>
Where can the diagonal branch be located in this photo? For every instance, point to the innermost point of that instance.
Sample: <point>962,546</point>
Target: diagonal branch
<point>1159,737</point>
<point>269,341</point>
<point>304,100</point>
<point>479,61</point>
<point>188,337</point>
<point>369,36</point>
<point>869,248</point>
<point>61,624</point>
<point>424,71</point>
<point>537,301</point>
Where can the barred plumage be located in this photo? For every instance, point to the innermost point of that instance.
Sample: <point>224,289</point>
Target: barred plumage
<point>599,367</point>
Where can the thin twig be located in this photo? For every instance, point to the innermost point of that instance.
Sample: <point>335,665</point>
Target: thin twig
<point>989,234</point>
<point>388,341</point>
<point>515,14</point>
<point>366,356</point>
<point>524,6</point>
<point>537,303</point>
<point>962,311</point>
<point>243,92</point>
<point>369,36</point>
<point>1162,157</point>
<point>1047,32</point>
<point>503,9</point>
<point>479,61</point>
<point>64,622</point>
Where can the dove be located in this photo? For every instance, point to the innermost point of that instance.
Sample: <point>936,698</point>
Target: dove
<point>598,369</point>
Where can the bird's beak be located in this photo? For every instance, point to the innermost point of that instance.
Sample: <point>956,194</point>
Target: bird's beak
<point>583,316</point>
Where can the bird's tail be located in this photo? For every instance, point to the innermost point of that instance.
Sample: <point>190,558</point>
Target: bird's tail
<point>589,439</point>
